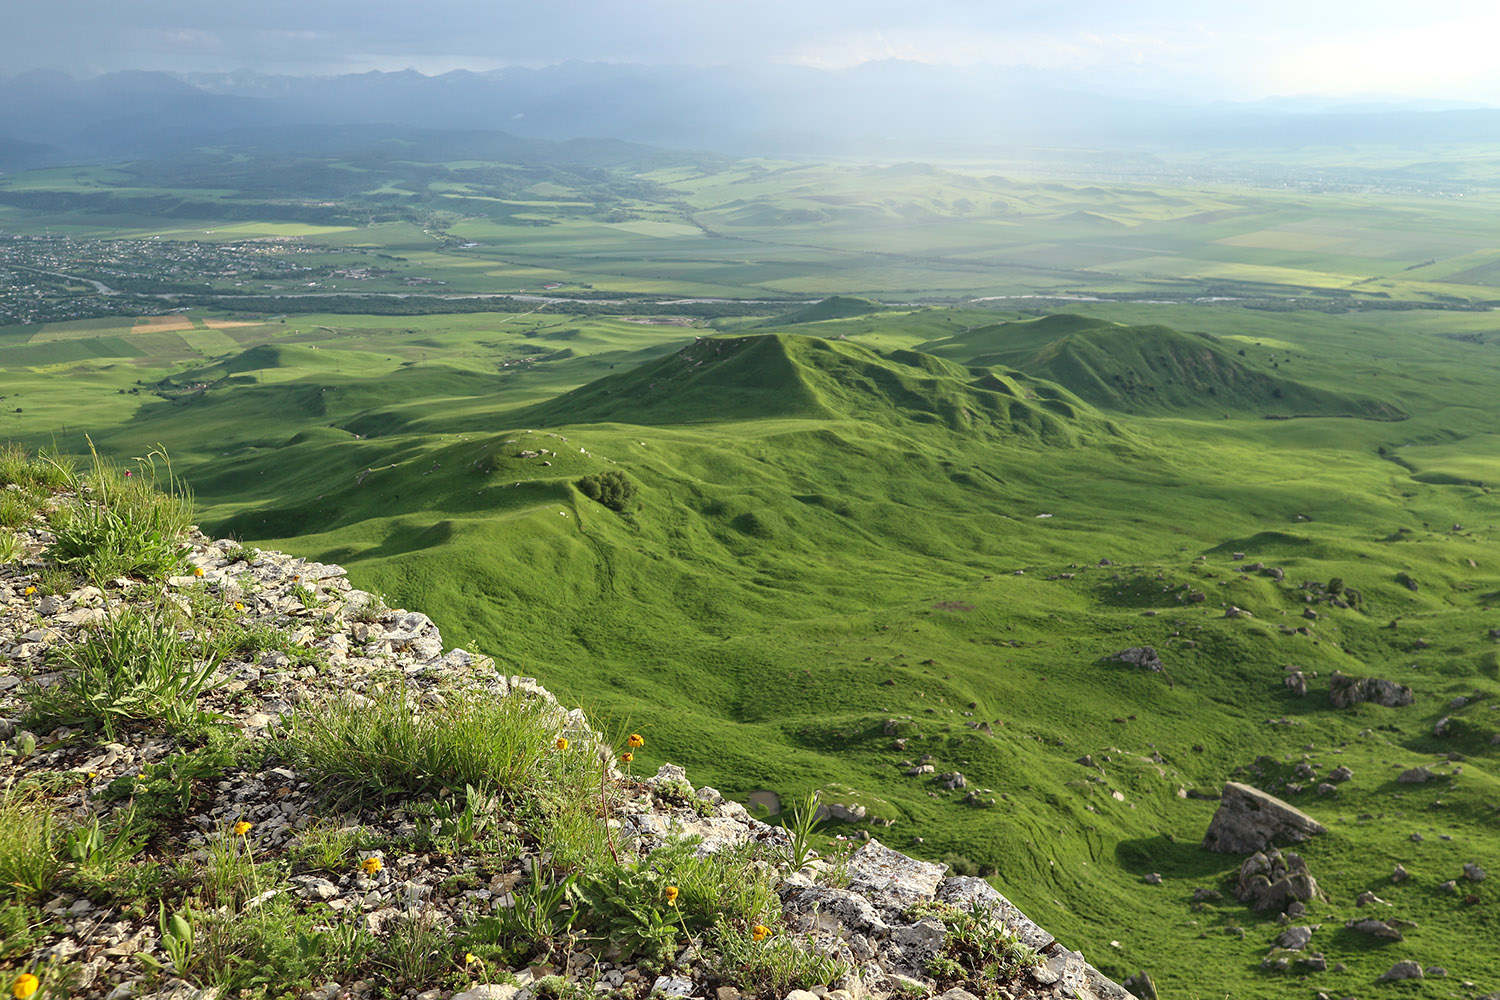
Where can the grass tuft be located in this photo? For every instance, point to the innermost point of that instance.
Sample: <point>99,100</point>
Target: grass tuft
<point>133,667</point>
<point>123,523</point>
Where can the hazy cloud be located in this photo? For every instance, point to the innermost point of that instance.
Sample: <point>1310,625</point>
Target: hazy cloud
<point>1238,51</point>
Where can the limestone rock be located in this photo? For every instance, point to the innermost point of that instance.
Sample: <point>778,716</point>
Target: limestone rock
<point>1251,820</point>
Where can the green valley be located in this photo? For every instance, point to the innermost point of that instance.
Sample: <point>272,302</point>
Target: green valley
<point>884,517</point>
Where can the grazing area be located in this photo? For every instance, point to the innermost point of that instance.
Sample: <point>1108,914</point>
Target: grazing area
<point>1016,520</point>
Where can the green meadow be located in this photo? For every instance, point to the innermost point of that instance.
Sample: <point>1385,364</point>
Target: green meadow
<point>925,522</point>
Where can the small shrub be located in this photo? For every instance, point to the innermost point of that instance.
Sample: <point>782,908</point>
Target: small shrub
<point>130,668</point>
<point>612,488</point>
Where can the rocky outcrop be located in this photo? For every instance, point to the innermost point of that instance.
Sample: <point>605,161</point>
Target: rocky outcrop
<point>1249,819</point>
<point>1345,691</point>
<point>1275,881</point>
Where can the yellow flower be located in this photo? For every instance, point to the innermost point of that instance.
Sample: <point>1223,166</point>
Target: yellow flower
<point>562,743</point>
<point>470,958</point>
<point>93,774</point>
<point>238,606</point>
<point>25,985</point>
<point>29,592</point>
<point>197,570</point>
<point>636,741</point>
<point>759,932</point>
<point>627,756</point>
<point>241,828</point>
<point>372,866</point>
<point>671,895</point>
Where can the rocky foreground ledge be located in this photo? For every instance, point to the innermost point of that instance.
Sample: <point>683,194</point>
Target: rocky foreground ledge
<point>876,910</point>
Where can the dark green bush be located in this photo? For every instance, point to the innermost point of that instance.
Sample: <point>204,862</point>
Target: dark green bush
<point>613,489</point>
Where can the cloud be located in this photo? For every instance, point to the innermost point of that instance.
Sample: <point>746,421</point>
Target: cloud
<point>1216,50</point>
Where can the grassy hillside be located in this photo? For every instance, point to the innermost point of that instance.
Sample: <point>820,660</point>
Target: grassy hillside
<point>1153,369</point>
<point>838,544</point>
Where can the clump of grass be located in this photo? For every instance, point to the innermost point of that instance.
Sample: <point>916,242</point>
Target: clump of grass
<point>327,847</point>
<point>44,472</point>
<point>18,505</point>
<point>31,860</point>
<point>10,547</point>
<point>131,667</point>
<point>23,927</point>
<point>771,967</point>
<point>124,523</point>
<point>508,748</point>
<point>382,747</point>
<point>243,933</point>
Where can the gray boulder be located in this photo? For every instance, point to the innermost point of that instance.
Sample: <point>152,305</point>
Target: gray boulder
<point>1249,819</point>
<point>1345,691</point>
<point>1376,929</point>
<point>1140,656</point>
<point>1295,938</point>
<point>1276,881</point>
<point>1402,970</point>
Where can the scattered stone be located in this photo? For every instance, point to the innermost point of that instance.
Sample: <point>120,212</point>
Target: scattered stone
<point>1402,970</point>
<point>1295,938</point>
<point>1415,776</point>
<point>1400,874</point>
<point>1376,928</point>
<point>1474,873</point>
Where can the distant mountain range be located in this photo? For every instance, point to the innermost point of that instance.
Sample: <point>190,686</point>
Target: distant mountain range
<point>890,108</point>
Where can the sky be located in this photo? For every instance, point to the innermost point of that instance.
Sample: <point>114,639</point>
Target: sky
<point>1203,49</point>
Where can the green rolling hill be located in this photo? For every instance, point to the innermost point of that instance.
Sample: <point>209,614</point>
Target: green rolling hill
<point>1150,369</point>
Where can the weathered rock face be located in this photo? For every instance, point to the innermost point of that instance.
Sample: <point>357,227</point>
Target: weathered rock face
<point>1276,881</point>
<point>1345,691</point>
<point>1249,819</point>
